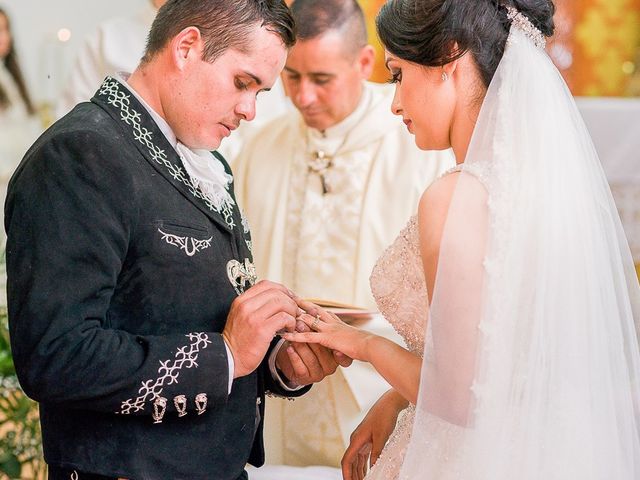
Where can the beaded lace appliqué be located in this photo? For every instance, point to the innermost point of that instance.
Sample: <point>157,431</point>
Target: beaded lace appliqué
<point>398,286</point>
<point>116,97</point>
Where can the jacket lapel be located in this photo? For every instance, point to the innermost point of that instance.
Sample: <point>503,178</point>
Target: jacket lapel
<point>125,109</point>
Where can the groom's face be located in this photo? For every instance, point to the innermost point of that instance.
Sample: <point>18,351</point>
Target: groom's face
<point>209,99</point>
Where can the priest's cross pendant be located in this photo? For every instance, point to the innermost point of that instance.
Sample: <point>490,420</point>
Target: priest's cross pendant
<point>325,186</point>
<point>320,163</point>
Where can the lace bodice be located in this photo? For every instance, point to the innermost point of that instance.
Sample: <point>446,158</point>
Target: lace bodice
<point>399,288</point>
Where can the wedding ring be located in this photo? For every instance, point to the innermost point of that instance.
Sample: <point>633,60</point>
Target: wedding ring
<point>314,324</point>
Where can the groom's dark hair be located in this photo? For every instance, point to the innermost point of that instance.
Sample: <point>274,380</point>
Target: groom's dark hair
<point>316,17</point>
<point>223,24</point>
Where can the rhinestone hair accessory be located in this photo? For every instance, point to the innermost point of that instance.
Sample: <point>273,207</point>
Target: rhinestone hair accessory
<point>522,23</point>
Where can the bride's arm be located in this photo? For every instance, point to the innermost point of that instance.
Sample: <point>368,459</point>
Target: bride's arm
<point>370,437</point>
<point>397,365</point>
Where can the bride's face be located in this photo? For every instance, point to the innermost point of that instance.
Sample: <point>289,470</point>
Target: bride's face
<point>424,100</point>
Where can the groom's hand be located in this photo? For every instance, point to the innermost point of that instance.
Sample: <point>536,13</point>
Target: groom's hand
<point>253,321</point>
<point>303,363</point>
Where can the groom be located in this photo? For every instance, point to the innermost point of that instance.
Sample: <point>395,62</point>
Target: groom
<point>133,318</point>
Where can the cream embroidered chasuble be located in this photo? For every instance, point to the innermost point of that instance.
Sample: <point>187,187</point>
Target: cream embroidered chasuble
<point>322,228</point>
<point>325,245</point>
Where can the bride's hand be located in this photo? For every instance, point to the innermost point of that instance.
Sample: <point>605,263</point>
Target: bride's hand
<point>331,332</point>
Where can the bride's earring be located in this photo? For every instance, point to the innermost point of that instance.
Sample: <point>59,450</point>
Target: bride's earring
<point>445,77</point>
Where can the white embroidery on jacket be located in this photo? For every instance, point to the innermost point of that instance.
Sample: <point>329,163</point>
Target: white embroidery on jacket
<point>121,100</point>
<point>246,231</point>
<point>159,409</point>
<point>180,401</point>
<point>240,275</point>
<point>168,373</point>
<point>201,403</point>
<point>189,245</point>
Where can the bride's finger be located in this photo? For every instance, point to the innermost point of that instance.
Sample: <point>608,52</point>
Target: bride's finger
<point>362,465</point>
<point>310,337</point>
<point>315,310</point>
<point>309,307</point>
<point>317,324</point>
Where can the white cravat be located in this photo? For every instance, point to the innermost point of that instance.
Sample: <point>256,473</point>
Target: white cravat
<point>205,170</point>
<point>207,174</point>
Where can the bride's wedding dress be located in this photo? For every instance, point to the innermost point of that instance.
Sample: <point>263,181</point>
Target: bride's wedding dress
<point>399,288</point>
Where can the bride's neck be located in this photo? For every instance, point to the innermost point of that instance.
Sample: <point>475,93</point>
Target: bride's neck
<point>461,132</point>
<point>464,122</point>
<point>471,94</point>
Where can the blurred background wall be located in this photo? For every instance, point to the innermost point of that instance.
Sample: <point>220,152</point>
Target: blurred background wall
<point>37,24</point>
<point>597,45</point>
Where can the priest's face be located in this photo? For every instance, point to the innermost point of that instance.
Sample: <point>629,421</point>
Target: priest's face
<point>323,77</point>
<point>204,102</point>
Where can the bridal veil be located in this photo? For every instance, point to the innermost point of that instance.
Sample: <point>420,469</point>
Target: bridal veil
<point>531,369</point>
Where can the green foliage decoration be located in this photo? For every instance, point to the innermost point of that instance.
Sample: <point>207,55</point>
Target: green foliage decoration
<point>20,439</point>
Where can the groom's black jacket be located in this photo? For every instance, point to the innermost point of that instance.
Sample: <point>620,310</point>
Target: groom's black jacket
<point>118,291</point>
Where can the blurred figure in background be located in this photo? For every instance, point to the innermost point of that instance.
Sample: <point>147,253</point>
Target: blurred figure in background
<point>18,124</point>
<point>15,102</point>
<point>325,190</point>
<point>117,45</point>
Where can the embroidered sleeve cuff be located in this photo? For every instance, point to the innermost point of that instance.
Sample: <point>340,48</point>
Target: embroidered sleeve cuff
<point>284,383</point>
<point>232,365</point>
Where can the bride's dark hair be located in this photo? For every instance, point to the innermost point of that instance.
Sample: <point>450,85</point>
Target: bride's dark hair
<point>425,31</point>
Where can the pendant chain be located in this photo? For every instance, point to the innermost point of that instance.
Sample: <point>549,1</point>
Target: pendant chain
<point>319,162</point>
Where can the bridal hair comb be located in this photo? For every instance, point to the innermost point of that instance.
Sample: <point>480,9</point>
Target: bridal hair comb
<point>522,23</point>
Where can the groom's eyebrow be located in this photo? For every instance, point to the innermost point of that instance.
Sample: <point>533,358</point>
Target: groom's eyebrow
<point>255,78</point>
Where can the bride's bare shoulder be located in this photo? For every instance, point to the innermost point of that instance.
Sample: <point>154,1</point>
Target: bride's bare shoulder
<point>435,201</point>
<point>432,215</point>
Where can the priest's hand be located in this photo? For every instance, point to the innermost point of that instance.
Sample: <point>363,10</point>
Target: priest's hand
<point>303,363</point>
<point>253,321</point>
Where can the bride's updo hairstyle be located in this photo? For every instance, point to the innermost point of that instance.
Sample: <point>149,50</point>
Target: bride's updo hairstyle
<point>425,32</point>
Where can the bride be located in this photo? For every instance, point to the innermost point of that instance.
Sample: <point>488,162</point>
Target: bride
<point>514,286</point>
